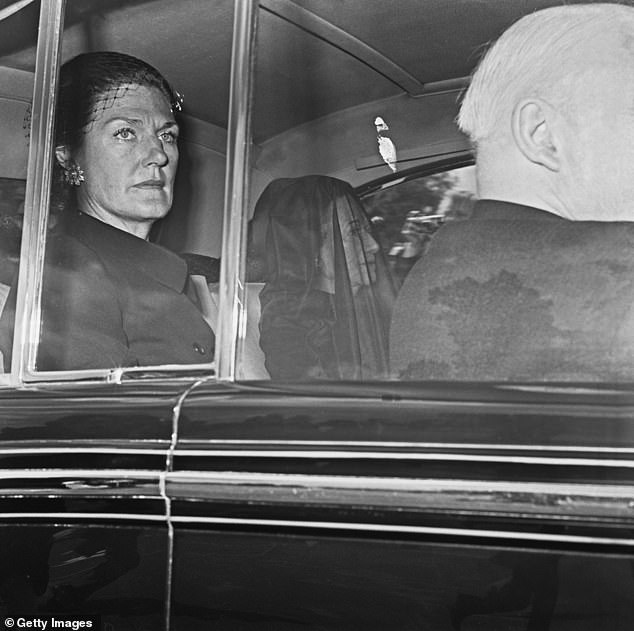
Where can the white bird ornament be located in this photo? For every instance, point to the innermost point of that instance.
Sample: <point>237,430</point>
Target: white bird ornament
<point>386,146</point>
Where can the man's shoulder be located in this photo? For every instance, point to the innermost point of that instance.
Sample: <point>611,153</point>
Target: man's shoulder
<point>503,228</point>
<point>515,297</point>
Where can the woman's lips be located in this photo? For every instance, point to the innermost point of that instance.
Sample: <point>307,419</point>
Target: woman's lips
<point>150,184</point>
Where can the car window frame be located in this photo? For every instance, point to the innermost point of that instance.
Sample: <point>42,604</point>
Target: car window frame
<point>36,211</point>
<point>37,191</point>
<point>232,316</point>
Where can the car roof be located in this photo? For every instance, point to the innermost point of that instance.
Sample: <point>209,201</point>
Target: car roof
<point>359,50</point>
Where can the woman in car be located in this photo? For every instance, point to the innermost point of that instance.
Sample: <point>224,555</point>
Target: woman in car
<point>327,292</point>
<point>110,297</point>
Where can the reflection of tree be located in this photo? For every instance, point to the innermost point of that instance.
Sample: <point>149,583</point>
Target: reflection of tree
<point>440,192</point>
<point>460,205</point>
<point>469,312</point>
<point>503,328</point>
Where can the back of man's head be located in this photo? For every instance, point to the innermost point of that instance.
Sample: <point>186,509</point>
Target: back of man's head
<point>532,58</point>
<point>564,67</point>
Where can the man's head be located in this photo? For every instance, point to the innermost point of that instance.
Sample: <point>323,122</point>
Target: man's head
<point>550,110</point>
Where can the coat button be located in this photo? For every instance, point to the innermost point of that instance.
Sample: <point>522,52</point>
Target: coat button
<point>199,348</point>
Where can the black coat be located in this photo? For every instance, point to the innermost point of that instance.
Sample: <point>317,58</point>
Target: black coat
<point>111,299</point>
<point>516,293</point>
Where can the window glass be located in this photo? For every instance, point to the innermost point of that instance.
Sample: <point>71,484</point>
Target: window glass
<point>390,286</point>
<point>324,265</point>
<point>135,221</point>
<point>18,38</point>
<point>406,215</point>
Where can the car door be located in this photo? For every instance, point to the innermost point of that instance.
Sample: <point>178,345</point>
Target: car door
<point>387,507</point>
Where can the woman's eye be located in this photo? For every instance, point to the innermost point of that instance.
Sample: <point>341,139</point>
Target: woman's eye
<point>168,137</point>
<point>124,134</point>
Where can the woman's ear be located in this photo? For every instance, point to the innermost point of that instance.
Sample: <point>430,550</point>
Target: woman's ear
<point>534,134</point>
<point>63,157</point>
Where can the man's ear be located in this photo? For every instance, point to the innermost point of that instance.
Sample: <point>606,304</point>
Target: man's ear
<point>532,127</point>
<point>63,157</point>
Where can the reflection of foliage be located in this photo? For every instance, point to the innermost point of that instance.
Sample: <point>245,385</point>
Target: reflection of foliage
<point>481,336</point>
<point>393,204</point>
<point>460,207</point>
<point>491,344</point>
<point>502,328</point>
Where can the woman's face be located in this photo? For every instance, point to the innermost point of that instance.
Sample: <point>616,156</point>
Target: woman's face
<point>129,157</point>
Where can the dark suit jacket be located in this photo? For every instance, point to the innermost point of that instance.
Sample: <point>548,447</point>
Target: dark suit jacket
<point>111,299</point>
<point>516,293</point>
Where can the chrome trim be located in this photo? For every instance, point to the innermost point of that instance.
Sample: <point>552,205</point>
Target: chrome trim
<point>557,504</point>
<point>401,455</point>
<point>496,535</point>
<point>58,483</point>
<point>546,388</point>
<point>95,375</point>
<point>552,499</point>
<point>231,322</point>
<point>118,375</point>
<point>293,444</point>
<point>406,485</point>
<point>353,444</point>
<point>79,473</point>
<point>37,195</point>
<point>35,451</point>
<point>64,517</point>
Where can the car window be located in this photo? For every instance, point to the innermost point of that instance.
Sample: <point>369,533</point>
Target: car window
<point>325,260</point>
<point>18,33</point>
<point>358,270</point>
<point>137,141</point>
<point>355,166</point>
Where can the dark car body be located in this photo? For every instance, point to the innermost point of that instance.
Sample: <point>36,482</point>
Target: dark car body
<point>197,498</point>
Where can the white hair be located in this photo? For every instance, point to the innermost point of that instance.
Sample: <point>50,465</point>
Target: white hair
<point>538,56</point>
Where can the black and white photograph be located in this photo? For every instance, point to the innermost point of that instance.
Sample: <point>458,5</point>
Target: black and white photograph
<point>317,315</point>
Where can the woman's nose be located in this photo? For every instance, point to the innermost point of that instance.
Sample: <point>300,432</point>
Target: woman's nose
<point>155,153</point>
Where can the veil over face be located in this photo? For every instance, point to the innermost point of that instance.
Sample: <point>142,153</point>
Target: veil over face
<point>328,294</point>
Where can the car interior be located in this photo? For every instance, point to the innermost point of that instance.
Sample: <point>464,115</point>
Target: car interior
<point>368,97</point>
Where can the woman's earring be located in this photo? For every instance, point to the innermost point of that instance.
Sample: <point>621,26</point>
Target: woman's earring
<point>74,174</point>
